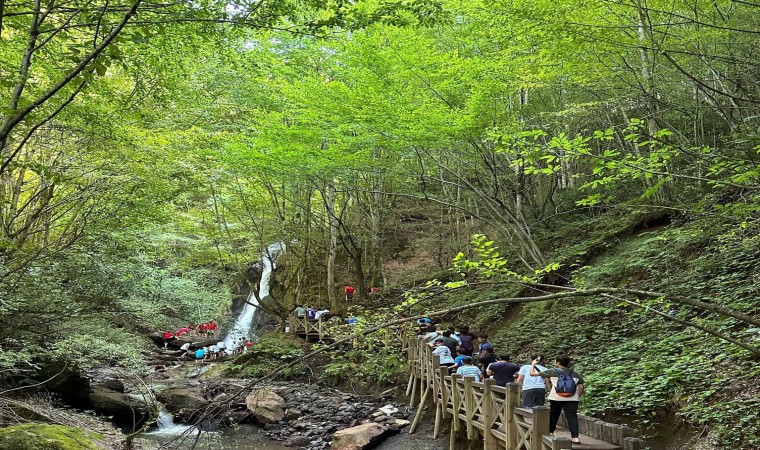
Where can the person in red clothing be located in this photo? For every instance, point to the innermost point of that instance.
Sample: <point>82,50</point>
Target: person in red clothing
<point>211,328</point>
<point>168,337</point>
<point>349,290</point>
<point>184,330</point>
<point>202,329</point>
<point>248,345</point>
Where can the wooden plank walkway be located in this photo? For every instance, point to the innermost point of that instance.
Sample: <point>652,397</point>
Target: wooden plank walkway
<point>482,410</point>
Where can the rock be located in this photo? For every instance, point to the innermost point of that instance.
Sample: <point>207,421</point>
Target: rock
<point>223,397</point>
<point>401,423</point>
<point>237,417</point>
<point>110,384</point>
<point>388,410</point>
<point>266,406</point>
<point>61,378</point>
<point>126,410</point>
<point>358,437</point>
<point>32,436</point>
<point>297,441</point>
<point>185,404</point>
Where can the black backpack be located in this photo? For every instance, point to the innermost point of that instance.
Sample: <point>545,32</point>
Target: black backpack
<point>565,386</point>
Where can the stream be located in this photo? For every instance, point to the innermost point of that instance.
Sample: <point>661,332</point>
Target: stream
<point>243,437</point>
<point>171,435</point>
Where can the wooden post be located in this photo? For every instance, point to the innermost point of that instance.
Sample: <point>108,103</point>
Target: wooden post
<point>443,372</point>
<point>411,380</point>
<point>469,406</point>
<point>453,434</point>
<point>456,400</point>
<point>437,427</point>
<point>436,367</point>
<point>561,443</point>
<point>417,416</point>
<point>540,426</point>
<point>414,392</point>
<point>632,443</point>
<point>513,401</point>
<point>489,416</point>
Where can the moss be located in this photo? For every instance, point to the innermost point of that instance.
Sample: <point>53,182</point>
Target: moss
<point>34,436</point>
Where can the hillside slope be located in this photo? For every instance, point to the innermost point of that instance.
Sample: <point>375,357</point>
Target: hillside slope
<point>678,384</point>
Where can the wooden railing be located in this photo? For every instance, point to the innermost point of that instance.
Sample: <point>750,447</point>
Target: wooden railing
<point>483,410</point>
<point>306,328</point>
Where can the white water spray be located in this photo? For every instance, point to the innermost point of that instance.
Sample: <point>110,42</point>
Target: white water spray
<point>166,426</point>
<point>244,321</point>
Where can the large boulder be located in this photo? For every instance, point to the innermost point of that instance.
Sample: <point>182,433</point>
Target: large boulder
<point>266,406</point>
<point>127,410</point>
<point>185,404</point>
<point>196,342</point>
<point>359,437</point>
<point>34,436</point>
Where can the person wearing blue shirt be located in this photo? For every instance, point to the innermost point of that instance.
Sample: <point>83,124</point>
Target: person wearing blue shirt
<point>484,344</point>
<point>468,370</point>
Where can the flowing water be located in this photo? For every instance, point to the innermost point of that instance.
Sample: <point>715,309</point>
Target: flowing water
<point>242,327</point>
<point>244,437</point>
<point>170,435</point>
<point>166,425</point>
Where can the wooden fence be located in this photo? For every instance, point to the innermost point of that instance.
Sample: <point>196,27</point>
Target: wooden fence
<point>493,413</point>
<point>483,410</point>
<point>305,328</point>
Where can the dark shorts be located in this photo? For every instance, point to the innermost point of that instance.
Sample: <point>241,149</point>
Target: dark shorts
<point>533,397</point>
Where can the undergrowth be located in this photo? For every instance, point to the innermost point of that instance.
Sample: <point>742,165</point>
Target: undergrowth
<point>642,366</point>
<point>270,353</point>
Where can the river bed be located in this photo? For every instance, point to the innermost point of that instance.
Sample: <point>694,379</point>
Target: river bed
<point>243,437</point>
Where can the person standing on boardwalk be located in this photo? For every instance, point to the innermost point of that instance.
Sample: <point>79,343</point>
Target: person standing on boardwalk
<point>567,389</point>
<point>487,359</point>
<point>444,354</point>
<point>468,370</point>
<point>466,338</point>
<point>484,344</point>
<point>503,371</point>
<point>533,388</point>
<point>447,340</point>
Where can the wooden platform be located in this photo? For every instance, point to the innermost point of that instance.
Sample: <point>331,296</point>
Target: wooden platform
<point>587,442</point>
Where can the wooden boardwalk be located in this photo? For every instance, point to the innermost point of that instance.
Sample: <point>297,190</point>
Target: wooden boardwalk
<point>483,411</point>
<point>492,413</point>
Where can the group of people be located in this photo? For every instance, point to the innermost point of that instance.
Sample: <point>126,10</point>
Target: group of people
<point>207,329</point>
<point>312,314</point>
<point>565,385</point>
<point>350,291</point>
<point>215,351</point>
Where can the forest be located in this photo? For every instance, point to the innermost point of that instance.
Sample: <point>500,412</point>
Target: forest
<point>448,152</point>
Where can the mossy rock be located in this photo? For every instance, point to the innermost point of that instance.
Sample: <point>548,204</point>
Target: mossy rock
<point>35,436</point>
<point>216,371</point>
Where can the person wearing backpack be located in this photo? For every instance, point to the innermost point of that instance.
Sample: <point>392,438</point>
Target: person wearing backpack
<point>466,339</point>
<point>565,395</point>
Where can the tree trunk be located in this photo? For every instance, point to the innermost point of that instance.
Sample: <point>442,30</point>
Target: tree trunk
<point>332,250</point>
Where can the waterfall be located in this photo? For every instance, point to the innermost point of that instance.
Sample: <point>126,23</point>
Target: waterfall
<point>244,321</point>
<point>166,425</point>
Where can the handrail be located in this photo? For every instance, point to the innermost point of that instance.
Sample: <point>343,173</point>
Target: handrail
<point>493,413</point>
